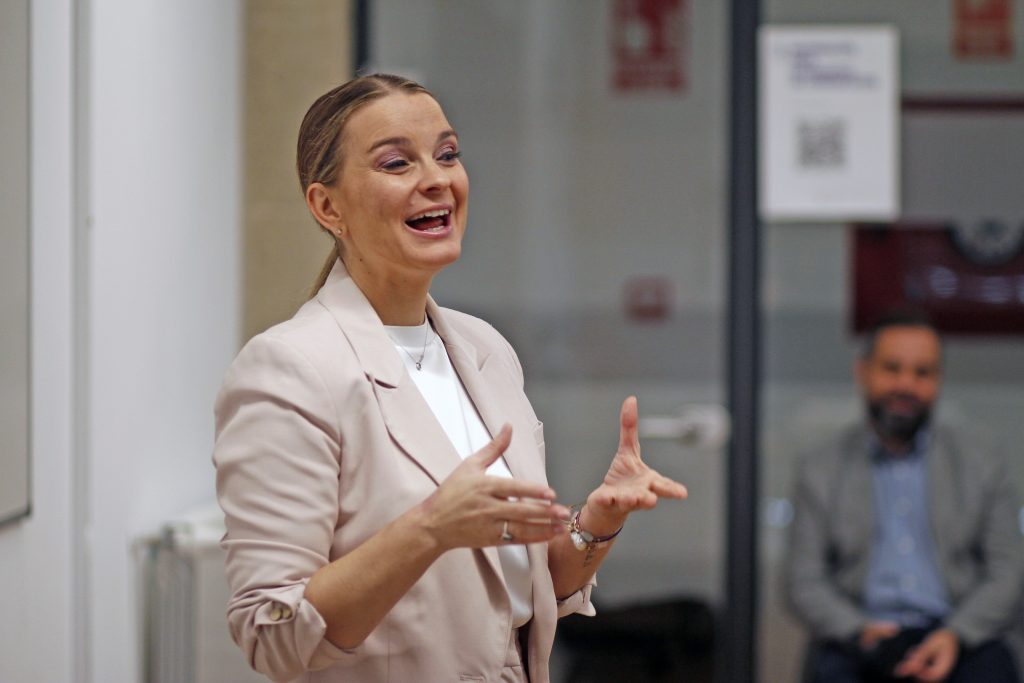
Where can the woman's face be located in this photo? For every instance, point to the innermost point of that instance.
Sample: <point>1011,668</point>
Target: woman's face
<point>402,192</point>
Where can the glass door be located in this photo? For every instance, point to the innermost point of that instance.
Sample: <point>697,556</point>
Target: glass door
<point>594,134</point>
<point>962,128</point>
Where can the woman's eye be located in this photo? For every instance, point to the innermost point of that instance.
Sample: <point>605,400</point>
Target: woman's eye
<point>450,155</point>
<point>394,164</point>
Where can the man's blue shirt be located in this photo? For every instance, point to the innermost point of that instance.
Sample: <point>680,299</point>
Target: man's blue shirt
<point>904,584</point>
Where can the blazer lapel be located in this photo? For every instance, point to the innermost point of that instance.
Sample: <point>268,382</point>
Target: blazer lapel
<point>486,380</point>
<point>408,418</point>
<point>467,362</point>
<point>857,511</point>
<point>942,497</point>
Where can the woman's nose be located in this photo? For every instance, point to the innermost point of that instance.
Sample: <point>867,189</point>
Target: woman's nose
<point>435,177</point>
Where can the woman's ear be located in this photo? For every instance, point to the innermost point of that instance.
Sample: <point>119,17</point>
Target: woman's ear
<point>323,204</point>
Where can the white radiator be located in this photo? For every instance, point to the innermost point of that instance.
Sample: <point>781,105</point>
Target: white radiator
<point>185,633</point>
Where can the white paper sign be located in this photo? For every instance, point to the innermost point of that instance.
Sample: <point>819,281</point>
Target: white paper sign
<point>829,117</point>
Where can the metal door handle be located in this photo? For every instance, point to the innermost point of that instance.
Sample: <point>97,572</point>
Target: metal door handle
<point>704,426</point>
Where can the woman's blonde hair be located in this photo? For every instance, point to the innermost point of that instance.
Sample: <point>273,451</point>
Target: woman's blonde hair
<point>318,156</point>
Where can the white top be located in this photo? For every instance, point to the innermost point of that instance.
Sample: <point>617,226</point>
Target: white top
<point>450,403</point>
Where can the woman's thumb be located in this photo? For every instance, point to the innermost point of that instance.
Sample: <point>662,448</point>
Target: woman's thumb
<point>493,450</point>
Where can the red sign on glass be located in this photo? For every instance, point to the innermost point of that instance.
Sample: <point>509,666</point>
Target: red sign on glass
<point>648,298</point>
<point>649,44</point>
<point>983,29</point>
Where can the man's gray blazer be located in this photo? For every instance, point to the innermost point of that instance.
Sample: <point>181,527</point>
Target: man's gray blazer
<point>973,511</point>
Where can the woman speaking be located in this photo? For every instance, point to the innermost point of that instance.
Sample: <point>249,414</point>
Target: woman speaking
<point>380,469</point>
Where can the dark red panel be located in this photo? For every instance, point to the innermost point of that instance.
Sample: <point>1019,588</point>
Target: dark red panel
<point>968,281</point>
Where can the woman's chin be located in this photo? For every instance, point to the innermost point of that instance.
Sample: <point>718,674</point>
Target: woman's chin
<point>439,256</point>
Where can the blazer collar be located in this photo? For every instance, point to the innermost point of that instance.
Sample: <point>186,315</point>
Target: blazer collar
<point>407,415</point>
<point>353,312</point>
<point>360,323</point>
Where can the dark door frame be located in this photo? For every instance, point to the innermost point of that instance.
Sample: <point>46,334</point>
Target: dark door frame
<point>738,651</point>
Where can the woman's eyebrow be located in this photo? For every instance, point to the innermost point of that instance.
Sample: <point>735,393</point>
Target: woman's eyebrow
<point>404,141</point>
<point>400,141</point>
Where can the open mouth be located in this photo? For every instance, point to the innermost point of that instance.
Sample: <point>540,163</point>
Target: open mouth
<point>436,220</point>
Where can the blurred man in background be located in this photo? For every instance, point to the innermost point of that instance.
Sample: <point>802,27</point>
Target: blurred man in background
<point>905,557</point>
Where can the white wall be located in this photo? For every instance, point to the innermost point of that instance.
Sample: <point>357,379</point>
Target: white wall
<point>153,284</point>
<point>36,642</point>
<point>164,160</point>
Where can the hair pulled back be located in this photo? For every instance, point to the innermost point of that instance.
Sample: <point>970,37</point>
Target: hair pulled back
<point>318,154</point>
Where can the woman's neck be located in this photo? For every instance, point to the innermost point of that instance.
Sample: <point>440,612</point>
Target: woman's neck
<point>397,300</point>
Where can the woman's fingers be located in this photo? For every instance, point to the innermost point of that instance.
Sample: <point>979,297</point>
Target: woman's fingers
<point>627,498</point>
<point>531,511</point>
<point>642,493</point>
<point>527,532</point>
<point>667,488</point>
<point>629,438</point>
<point>501,487</point>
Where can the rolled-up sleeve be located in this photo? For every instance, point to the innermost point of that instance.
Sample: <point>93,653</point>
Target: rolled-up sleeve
<point>579,602</point>
<point>277,455</point>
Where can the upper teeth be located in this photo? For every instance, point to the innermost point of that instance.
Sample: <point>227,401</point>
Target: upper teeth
<point>437,213</point>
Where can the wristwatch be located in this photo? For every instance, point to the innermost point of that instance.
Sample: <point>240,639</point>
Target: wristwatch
<point>582,539</point>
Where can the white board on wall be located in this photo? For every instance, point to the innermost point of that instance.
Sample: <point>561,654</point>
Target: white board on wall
<point>14,245</point>
<point>828,123</point>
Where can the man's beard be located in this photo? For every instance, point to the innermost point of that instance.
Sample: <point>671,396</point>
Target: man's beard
<point>900,427</point>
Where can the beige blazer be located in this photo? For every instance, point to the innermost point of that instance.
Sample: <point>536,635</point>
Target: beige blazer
<point>322,440</point>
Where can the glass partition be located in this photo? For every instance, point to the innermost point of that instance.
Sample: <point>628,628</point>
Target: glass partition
<point>962,129</point>
<point>595,140</point>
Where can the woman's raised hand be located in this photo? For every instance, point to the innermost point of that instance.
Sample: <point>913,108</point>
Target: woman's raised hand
<point>473,509</point>
<point>630,483</point>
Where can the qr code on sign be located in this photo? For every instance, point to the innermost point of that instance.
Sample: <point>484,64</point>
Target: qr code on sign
<point>821,143</point>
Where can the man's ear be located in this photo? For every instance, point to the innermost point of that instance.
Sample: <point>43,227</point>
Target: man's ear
<point>323,205</point>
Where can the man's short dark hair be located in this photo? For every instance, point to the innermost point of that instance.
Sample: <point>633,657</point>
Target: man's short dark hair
<point>899,317</point>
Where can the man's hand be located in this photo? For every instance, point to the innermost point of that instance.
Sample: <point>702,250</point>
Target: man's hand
<point>932,660</point>
<point>876,631</point>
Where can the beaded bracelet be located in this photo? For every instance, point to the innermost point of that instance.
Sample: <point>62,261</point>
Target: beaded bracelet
<point>584,540</point>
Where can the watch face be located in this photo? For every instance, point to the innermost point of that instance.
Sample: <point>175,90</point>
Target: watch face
<point>988,241</point>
